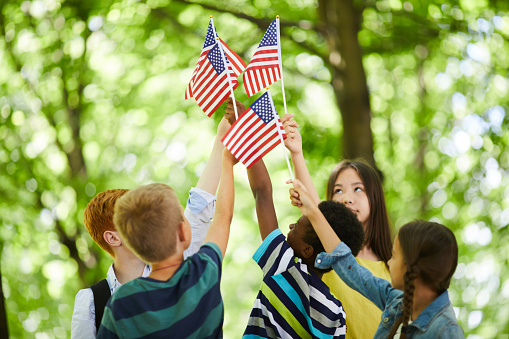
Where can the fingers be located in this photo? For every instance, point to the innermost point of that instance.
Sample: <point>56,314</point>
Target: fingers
<point>299,188</point>
<point>229,112</point>
<point>295,198</point>
<point>287,117</point>
<point>230,116</point>
<point>290,123</point>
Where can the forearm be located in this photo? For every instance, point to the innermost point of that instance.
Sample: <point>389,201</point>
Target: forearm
<point>209,179</point>
<point>220,228</point>
<point>326,234</point>
<point>261,186</point>
<point>302,173</point>
<point>357,277</point>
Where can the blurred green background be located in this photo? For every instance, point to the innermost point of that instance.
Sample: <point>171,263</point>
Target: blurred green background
<point>92,98</point>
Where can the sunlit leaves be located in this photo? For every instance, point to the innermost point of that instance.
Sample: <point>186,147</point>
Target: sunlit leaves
<point>437,76</point>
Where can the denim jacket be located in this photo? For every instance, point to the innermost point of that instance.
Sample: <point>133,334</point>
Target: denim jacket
<point>436,321</point>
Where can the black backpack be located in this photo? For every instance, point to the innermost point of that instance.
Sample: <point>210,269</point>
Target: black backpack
<point>102,294</point>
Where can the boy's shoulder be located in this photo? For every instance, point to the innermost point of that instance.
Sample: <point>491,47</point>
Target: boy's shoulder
<point>207,261</point>
<point>190,299</point>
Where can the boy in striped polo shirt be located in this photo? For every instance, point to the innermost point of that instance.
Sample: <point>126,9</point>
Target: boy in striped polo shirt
<point>293,301</point>
<point>180,298</point>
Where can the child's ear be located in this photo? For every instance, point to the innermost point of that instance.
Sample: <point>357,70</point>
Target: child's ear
<point>112,238</point>
<point>308,251</point>
<point>184,232</point>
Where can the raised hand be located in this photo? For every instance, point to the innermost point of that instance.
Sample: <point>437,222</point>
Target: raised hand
<point>229,112</point>
<point>301,198</point>
<point>294,140</point>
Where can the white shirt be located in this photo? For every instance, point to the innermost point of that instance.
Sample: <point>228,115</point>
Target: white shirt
<point>199,211</point>
<point>83,317</point>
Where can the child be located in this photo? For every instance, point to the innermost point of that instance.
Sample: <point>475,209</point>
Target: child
<point>180,297</point>
<point>98,220</point>
<point>356,185</point>
<point>293,302</point>
<point>423,262</point>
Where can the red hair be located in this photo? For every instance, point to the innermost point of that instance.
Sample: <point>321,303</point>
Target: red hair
<point>98,216</point>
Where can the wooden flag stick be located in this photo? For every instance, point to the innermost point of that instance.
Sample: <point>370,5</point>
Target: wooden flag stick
<point>281,63</point>
<point>276,117</point>
<point>226,68</point>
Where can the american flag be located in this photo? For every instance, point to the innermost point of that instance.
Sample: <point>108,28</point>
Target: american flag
<point>210,40</point>
<point>256,132</point>
<point>238,65</point>
<point>264,68</point>
<point>210,86</point>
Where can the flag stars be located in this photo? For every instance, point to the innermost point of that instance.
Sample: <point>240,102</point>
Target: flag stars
<point>263,107</point>
<point>216,59</point>
<point>270,37</point>
<point>209,38</point>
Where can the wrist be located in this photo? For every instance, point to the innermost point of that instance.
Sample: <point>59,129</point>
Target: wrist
<point>296,153</point>
<point>312,212</point>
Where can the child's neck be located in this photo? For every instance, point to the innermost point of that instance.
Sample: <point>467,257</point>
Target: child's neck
<point>165,269</point>
<point>423,297</point>
<point>316,271</point>
<point>310,262</point>
<point>127,267</point>
<point>367,254</point>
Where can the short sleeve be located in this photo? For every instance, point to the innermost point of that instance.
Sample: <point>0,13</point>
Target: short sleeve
<point>199,212</point>
<point>274,254</point>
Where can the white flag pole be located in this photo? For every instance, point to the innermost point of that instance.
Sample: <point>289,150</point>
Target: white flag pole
<point>226,67</point>
<point>280,62</point>
<point>276,117</point>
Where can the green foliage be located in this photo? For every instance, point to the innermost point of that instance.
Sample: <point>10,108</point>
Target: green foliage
<point>91,98</point>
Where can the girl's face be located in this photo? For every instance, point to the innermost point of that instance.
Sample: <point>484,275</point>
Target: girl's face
<point>397,267</point>
<point>349,190</point>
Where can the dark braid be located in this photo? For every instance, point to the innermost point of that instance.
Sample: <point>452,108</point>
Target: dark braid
<point>430,252</point>
<point>408,297</point>
<point>408,301</point>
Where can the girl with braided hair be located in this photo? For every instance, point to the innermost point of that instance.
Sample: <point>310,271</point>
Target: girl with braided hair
<point>424,258</point>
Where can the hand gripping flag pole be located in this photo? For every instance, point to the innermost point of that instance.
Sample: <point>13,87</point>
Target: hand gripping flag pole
<point>280,133</point>
<point>226,66</point>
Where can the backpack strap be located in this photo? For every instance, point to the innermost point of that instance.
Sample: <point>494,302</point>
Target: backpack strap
<point>102,294</point>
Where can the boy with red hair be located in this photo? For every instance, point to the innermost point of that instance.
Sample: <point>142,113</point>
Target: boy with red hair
<point>98,219</point>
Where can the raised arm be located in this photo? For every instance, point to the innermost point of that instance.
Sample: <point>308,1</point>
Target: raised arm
<point>219,230</point>
<point>294,144</point>
<point>209,179</point>
<point>261,186</point>
<point>259,180</point>
<point>309,208</point>
<point>357,277</point>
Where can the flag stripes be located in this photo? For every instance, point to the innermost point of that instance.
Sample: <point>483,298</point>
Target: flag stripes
<point>211,86</point>
<point>255,133</point>
<point>236,61</point>
<point>210,41</point>
<point>264,68</point>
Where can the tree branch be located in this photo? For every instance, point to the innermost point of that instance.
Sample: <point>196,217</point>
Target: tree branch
<point>262,24</point>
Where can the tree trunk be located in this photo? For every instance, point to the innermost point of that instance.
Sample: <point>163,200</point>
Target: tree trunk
<point>340,22</point>
<point>4,331</point>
